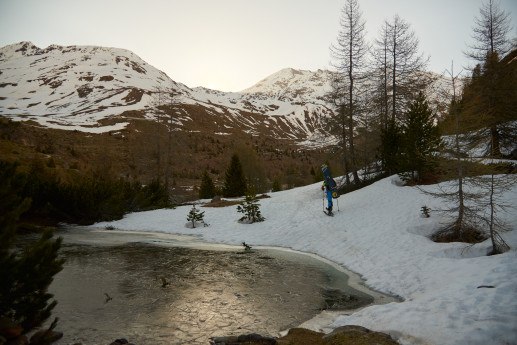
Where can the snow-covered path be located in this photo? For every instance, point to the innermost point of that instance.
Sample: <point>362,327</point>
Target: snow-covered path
<point>379,233</point>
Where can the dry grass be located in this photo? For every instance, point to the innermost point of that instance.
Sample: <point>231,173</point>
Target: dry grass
<point>222,203</point>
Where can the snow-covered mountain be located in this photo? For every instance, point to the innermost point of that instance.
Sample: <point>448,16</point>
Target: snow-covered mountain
<point>292,84</point>
<point>97,89</point>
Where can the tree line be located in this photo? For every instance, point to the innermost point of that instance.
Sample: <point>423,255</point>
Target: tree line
<point>89,198</point>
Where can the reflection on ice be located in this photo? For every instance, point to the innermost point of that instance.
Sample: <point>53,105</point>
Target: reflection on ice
<point>164,294</point>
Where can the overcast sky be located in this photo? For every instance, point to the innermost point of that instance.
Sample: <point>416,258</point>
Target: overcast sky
<point>230,45</point>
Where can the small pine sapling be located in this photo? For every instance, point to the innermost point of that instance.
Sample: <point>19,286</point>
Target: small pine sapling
<point>196,216</point>
<point>250,208</point>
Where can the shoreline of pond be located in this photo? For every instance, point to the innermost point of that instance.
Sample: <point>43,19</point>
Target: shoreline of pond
<point>319,322</point>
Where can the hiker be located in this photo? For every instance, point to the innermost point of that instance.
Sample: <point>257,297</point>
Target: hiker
<point>329,197</point>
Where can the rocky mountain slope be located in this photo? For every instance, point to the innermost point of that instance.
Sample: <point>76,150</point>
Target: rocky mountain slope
<point>98,89</point>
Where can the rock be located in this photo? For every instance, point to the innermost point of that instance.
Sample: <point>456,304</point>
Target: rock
<point>301,336</point>
<point>216,198</point>
<point>245,339</point>
<point>346,335</point>
<point>256,339</point>
<point>223,340</point>
<point>357,335</point>
<point>121,341</point>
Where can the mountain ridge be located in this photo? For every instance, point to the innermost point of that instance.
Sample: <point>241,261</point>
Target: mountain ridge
<point>85,87</point>
<point>99,89</point>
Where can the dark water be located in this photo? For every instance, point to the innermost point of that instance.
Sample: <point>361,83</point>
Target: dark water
<point>207,292</point>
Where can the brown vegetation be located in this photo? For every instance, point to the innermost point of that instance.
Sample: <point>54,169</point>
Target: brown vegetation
<point>138,152</point>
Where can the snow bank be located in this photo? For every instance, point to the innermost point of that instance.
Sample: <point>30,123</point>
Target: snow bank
<point>379,232</point>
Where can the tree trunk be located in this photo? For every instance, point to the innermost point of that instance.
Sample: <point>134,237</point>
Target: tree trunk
<point>495,149</point>
<point>393,77</point>
<point>343,135</point>
<point>351,119</point>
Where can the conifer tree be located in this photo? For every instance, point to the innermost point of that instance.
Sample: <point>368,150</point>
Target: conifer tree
<point>252,167</point>
<point>276,185</point>
<point>250,207</point>
<point>390,150</point>
<point>25,275</point>
<point>195,216</point>
<point>234,182</point>
<point>420,140</point>
<point>207,189</point>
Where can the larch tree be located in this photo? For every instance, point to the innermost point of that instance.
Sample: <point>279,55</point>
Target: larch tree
<point>491,43</point>
<point>489,103</point>
<point>381,66</point>
<point>490,33</point>
<point>400,67</point>
<point>483,119</point>
<point>456,196</point>
<point>349,55</point>
<point>400,72</point>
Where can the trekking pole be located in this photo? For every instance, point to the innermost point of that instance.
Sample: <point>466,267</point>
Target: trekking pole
<point>337,200</point>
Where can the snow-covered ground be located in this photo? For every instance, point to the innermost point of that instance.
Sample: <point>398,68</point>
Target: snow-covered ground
<point>379,232</point>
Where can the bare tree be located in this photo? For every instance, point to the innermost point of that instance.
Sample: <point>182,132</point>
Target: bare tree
<point>381,68</point>
<point>490,33</point>
<point>463,224</point>
<point>454,103</point>
<point>337,124</point>
<point>400,68</point>
<point>349,55</point>
<point>475,197</point>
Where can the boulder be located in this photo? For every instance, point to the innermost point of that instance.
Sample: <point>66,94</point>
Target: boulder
<point>301,336</point>
<point>346,335</point>
<point>357,335</point>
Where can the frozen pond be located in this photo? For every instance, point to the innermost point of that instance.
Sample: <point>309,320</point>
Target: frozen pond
<point>164,289</point>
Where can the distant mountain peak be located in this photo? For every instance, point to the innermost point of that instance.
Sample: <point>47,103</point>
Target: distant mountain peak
<point>302,85</point>
<point>98,89</point>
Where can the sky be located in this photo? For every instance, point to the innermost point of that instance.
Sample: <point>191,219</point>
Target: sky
<point>230,45</point>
